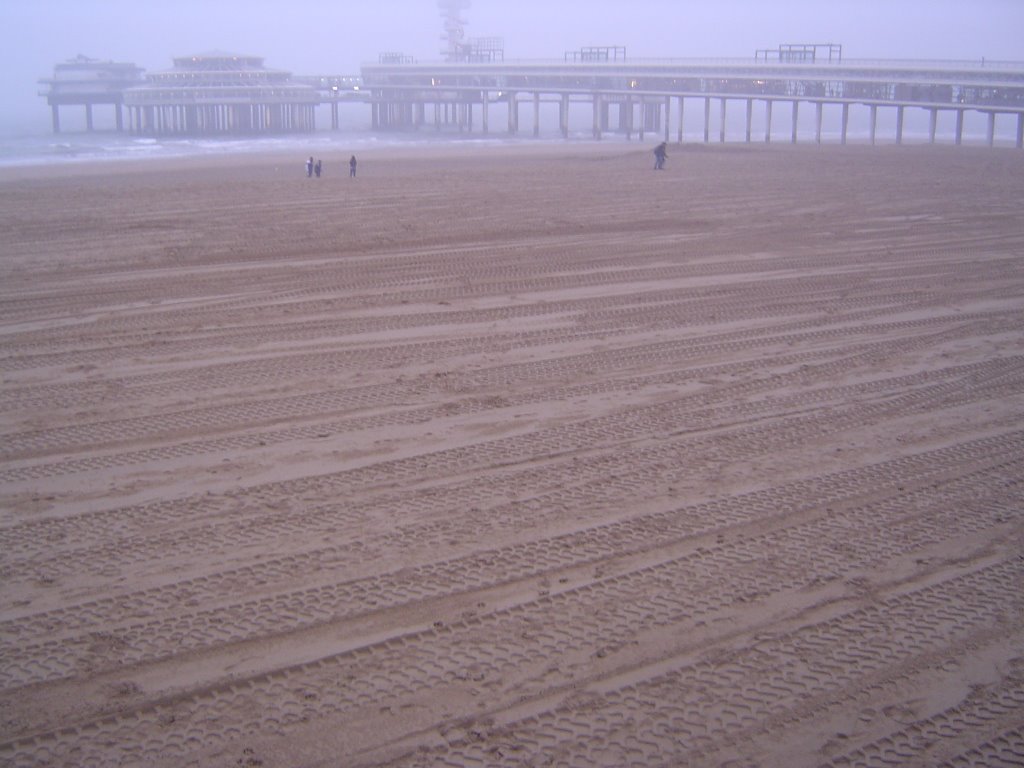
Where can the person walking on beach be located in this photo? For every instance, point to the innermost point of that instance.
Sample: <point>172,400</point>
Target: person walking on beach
<point>316,168</point>
<point>352,167</point>
<point>660,153</point>
<point>309,167</point>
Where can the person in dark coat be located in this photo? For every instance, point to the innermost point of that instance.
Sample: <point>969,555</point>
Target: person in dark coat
<point>352,167</point>
<point>316,168</point>
<point>309,167</point>
<point>660,153</point>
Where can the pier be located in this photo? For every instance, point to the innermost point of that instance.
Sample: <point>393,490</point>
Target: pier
<point>639,97</point>
<point>220,94</point>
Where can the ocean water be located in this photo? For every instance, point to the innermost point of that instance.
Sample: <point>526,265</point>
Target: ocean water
<point>71,147</point>
<point>48,149</point>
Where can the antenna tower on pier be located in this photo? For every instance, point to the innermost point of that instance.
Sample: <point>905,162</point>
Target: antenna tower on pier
<point>454,27</point>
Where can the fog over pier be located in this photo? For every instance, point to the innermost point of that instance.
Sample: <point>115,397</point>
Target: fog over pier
<point>589,92</point>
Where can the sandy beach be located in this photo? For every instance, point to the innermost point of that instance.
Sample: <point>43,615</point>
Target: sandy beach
<point>524,455</point>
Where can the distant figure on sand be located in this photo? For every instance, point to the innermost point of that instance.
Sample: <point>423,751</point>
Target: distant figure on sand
<point>660,153</point>
<point>309,167</point>
<point>316,169</point>
<point>352,167</point>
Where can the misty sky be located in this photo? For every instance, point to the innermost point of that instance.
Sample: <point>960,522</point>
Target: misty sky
<point>336,36</point>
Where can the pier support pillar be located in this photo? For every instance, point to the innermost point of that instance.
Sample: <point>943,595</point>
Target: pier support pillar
<point>873,120</point>
<point>55,117</point>
<point>513,114</point>
<point>118,118</point>
<point>768,121</point>
<point>680,119</point>
<point>1020,131</point>
<point>959,127</point>
<point>651,117</point>
<point>536,115</point>
<point>563,116</point>
<point>846,122</point>
<point>88,117</point>
<point>933,121</point>
<point>991,133</point>
<point>796,115</point>
<point>721,127</point>
<point>818,107</point>
<point>668,116</point>
<point>484,113</point>
<point>899,124</point>
<point>597,116</point>
<point>707,119</point>
<point>750,119</point>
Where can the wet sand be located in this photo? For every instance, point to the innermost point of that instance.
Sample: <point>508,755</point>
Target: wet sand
<point>514,456</point>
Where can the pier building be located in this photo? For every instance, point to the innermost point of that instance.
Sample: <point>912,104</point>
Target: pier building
<point>87,82</point>
<point>221,94</point>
